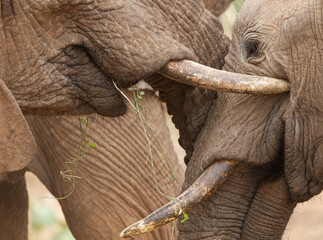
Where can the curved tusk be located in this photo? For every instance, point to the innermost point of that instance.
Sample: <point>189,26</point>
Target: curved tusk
<point>195,74</point>
<point>200,190</point>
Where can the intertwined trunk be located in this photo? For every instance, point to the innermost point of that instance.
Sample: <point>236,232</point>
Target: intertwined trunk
<point>249,205</point>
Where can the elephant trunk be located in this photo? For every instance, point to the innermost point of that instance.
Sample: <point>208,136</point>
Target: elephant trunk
<point>232,208</point>
<point>195,74</point>
<point>252,204</point>
<point>200,190</point>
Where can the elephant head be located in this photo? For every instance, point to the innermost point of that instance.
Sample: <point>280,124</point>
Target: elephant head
<point>264,152</point>
<point>63,56</point>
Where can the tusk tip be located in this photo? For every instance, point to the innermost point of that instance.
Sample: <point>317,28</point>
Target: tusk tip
<point>133,230</point>
<point>126,233</point>
<point>202,188</point>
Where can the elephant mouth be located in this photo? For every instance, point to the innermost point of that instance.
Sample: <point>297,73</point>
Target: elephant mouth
<point>216,174</point>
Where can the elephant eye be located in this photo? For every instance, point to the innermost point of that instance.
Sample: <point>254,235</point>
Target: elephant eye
<point>252,49</point>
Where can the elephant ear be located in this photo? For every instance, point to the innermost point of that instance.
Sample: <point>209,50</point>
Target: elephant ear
<point>17,145</point>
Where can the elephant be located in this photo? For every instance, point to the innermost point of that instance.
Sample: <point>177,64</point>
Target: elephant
<point>66,57</point>
<point>259,151</point>
<point>115,177</point>
<point>116,184</point>
<point>63,57</point>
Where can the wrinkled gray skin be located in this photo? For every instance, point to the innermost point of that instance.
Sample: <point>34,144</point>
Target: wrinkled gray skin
<point>277,139</point>
<point>59,57</point>
<point>117,185</point>
<point>72,49</point>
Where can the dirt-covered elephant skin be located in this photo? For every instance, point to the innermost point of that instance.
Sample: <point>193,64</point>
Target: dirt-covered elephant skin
<point>276,139</point>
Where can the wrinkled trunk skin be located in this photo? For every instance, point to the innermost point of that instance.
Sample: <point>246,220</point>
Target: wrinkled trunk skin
<point>249,205</point>
<point>68,52</point>
<point>269,212</point>
<point>293,51</point>
<point>222,216</point>
<point>187,105</point>
<point>281,134</point>
<point>116,187</point>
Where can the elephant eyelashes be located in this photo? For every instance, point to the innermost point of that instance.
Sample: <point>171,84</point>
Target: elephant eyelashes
<point>252,50</point>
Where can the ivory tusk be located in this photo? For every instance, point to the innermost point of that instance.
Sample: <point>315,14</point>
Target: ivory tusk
<point>200,190</point>
<point>195,74</point>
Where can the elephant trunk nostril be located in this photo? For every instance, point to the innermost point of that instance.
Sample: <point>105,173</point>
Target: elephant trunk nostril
<point>195,74</point>
<point>200,190</point>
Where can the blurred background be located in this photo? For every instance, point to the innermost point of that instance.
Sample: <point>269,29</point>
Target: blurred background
<point>46,220</point>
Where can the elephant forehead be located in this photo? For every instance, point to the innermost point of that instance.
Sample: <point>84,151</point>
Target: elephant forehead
<point>270,13</point>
